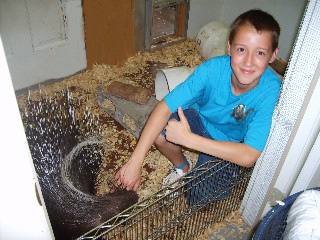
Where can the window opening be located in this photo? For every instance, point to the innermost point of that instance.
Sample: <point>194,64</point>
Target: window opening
<point>166,23</point>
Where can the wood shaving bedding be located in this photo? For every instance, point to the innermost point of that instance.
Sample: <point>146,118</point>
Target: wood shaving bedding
<point>140,71</point>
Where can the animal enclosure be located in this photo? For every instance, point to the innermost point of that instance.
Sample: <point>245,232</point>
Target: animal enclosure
<point>72,106</point>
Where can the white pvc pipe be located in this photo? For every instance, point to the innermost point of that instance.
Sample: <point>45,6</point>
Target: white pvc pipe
<point>168,79</point>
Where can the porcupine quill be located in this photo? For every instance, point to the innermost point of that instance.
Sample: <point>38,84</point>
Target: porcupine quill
<point>67,153</point>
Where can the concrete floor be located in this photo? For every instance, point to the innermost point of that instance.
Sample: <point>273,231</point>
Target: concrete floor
<point>233,232</point>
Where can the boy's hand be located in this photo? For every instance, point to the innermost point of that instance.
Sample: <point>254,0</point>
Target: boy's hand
<point>129,176</point>
<point>178,131</point>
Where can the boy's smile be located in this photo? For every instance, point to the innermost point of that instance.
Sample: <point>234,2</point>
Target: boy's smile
<point>251,52</point>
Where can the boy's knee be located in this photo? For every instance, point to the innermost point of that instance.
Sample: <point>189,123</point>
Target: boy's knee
<point>160,141</point>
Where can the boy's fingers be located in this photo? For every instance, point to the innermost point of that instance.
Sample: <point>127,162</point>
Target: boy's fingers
<point>183,119</point>
<point>133,185</point>
<point>136,185</point>
<point>118,181</point>
<point>116,176</point>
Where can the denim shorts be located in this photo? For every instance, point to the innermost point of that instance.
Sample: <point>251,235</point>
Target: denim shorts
<point>212,178</point>
<point>196,127</point>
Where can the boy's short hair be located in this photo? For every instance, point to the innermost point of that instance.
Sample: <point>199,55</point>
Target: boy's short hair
<point>261,21</point>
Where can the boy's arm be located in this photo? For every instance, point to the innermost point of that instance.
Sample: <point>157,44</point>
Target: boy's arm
<point>238,153</point>
<point>129,174</point>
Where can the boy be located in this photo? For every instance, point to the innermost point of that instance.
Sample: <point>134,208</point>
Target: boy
<point>224,109</point>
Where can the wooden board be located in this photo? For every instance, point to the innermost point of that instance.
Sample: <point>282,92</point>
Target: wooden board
<point>129,92</point>
<point>109,31</point>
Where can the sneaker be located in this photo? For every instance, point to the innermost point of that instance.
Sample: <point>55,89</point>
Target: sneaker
<point>175,175</point>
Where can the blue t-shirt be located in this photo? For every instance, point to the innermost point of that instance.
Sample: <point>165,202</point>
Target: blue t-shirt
<point>227,117</point>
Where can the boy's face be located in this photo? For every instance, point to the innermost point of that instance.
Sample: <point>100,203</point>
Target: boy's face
<point>250,52</point>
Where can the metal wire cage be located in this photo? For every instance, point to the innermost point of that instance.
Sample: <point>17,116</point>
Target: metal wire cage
<point>204,196</point>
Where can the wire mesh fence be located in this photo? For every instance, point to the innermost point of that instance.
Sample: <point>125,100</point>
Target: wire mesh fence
<point>183,209</point>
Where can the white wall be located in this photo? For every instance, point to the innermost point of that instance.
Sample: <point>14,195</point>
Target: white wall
<point>21,216</point>
<point>301,160</point>
<point>202,12</point>
<point>287,12</point>
<point>42,39</point>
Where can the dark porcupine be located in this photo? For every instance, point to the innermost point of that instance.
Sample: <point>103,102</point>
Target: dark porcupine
<point>67,153</point>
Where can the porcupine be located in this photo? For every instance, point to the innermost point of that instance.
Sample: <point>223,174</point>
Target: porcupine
<point>67,152</point>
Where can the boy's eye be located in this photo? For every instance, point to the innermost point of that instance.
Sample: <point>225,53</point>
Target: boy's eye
<point>260,53</point>
<point>240,49</point>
